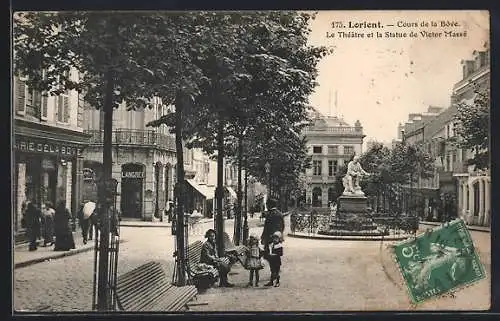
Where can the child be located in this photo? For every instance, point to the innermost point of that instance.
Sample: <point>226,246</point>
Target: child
<point>274,258</point>
<point>253,261</point>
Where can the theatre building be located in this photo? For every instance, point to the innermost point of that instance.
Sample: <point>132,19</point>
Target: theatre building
<point>144,161</point>
<point>47,147</point>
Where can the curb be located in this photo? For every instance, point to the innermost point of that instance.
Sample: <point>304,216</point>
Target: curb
<point>348,238</point>
<point>55,257</point>
<point>470,227</point>
<point>154,224</point>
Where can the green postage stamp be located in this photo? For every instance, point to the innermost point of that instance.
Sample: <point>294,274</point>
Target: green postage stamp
<point>439,261</point>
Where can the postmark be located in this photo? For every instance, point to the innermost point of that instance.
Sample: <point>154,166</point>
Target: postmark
<point>439,261</point>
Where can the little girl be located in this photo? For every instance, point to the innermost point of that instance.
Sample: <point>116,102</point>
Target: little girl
<point>253,261</point>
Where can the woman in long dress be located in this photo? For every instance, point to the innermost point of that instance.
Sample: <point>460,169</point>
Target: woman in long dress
<point>62,224</point>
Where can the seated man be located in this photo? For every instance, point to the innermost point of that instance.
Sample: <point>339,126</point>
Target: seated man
<point>210,256</point>
<point>352,177</point>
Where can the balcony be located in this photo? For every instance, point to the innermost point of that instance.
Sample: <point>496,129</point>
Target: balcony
<point>340,131</point>
<point>127,137</point>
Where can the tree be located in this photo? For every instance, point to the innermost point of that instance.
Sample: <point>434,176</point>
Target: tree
<point>377,185</point>
<point>103,48</point>
<point>258,75</point>
<point>409,162</point>
<point>472,127</point>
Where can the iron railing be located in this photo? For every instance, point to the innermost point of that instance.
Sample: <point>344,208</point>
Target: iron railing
<point>149,138</point>
<point>312,223</point>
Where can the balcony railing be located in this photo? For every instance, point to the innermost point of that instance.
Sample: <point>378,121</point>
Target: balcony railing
<point>335,130</point>
<point>148,138</point>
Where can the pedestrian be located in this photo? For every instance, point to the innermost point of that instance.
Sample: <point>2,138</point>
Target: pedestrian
<point>253,261</point>
<point>62,224</point>
<point>210,256</point>
<point>274,222</point>
<point>84,216</point>
<point>274,258</point>
<point>48,219</point>
<point>32,217</point>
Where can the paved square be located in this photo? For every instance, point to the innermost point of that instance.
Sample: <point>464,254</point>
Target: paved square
<point>439,261</point>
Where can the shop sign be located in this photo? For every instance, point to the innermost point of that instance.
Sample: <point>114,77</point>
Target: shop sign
<point>132,174</point>
<point>28,145</point>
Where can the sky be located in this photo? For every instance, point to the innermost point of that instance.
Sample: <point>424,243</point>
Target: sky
<point>379,81</point>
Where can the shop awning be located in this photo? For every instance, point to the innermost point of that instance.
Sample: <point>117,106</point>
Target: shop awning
<point>204,190</point>
<point>231,192</point>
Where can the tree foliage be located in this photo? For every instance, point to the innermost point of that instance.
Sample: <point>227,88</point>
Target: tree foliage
<point>472,127</point>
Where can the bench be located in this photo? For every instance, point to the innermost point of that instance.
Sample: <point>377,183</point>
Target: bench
<point>200,279</point>
<point>234,251</point>
<point>146,288</point>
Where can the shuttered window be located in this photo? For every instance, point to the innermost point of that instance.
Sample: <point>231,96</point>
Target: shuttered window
<point>63,105</point>
<point>20,94</point>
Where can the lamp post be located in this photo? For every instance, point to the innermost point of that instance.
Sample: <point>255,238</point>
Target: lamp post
<point>268,172</point>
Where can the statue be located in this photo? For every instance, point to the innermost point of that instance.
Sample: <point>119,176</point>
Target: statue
<point>352,177</point>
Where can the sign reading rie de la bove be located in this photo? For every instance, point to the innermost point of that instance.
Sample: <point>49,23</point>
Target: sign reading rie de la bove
<point>439,261</point>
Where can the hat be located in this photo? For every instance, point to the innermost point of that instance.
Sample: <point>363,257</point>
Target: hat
<point>253,236</point>
<point>209,231</point>
<point>277,233</point>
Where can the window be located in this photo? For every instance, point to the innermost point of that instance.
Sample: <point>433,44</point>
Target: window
<point>317,149</point>
<point>316,167</point>
<point>454,156</point>
<point>20,90</point>
<point>332,167</point>
<point>333,150</point>
<point>348,150</point>
<point>29,101</point>
<point>62,104</point>
<point>448,162</point>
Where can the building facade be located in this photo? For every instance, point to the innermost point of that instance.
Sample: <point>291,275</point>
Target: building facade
<point>144,160</point>
<point>474,186</point>
<point>455,189</point>
<point>332,143</point>
<point>48,148</point>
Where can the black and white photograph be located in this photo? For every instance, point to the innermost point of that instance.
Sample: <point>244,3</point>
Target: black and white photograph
<point>250,161</point>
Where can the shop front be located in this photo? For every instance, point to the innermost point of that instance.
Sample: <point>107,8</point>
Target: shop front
<point>48,167</point>
<point>132,190</point>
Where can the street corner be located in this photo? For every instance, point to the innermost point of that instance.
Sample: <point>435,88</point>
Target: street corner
<point>440,260</point>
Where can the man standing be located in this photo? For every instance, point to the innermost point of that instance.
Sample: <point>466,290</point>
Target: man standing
<point>274,222</point>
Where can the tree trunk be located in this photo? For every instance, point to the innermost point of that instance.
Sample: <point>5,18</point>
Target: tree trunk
<point>180,194</point>
<point>237,219</point>
<point>219,193</point>
<point>103,290</point>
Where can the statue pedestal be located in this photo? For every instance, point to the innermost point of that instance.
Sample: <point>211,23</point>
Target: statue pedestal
<point>352,218</point>
<point>355,204</point>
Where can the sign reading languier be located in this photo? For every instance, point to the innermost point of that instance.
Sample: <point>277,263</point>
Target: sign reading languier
<point>46,147</point>
<point>132,174</point>
<point>439,261</point>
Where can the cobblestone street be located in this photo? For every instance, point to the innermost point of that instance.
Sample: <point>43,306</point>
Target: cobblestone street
<point>316,275</point>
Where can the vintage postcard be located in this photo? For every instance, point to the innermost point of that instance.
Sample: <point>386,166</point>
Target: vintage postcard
<point>279,161</point>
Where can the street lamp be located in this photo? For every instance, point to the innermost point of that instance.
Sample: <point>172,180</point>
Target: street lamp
<point>268,172</point>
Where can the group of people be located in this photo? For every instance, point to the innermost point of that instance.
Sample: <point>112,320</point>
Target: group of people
<point>272,251</point>
<point>54,225</point>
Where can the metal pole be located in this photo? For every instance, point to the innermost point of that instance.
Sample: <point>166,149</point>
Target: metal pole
<point>219,192</point>
<point>102,285</point>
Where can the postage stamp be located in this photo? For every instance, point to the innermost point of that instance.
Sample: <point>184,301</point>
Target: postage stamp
<point>439,261</point>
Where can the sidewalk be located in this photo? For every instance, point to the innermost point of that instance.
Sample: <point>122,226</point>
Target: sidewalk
<point>470,227</point>
<point>23,257</point>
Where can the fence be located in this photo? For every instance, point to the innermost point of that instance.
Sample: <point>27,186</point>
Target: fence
<point>312,222</point>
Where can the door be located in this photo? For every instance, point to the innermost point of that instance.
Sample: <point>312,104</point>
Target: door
<point>132,190</point>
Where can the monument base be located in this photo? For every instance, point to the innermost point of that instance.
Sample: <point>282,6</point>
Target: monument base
<point>352,204</point>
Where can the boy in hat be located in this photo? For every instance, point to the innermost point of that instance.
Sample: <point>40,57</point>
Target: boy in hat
<point>274,258</point>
